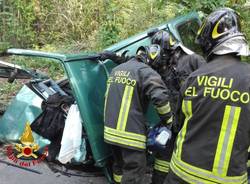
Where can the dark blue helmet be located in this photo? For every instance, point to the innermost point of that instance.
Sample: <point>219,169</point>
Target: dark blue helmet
<point>220,26</point>
<point>150,55</point>
<point>166,41</point>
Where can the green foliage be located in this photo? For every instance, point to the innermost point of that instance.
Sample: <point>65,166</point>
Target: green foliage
<point>4,46</point>
<point>110,28</point>
<point>244,11</point>
<point>7,92</point>
<point>205,6</point>
<point>77,25</point>
<point>85,24</point>
<point>17,21</point>
<point>125,18</point>
<point>9,87</point>
<point>51,68</point>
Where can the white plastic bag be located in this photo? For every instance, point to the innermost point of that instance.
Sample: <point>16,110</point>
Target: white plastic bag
<point>72,135</point>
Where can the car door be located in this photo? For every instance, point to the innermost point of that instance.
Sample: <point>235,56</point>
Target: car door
<point>12,71</point>
<point>185,30</point>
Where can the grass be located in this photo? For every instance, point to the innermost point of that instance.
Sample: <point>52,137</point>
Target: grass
<point>51,68</point>
<point>7,92</point>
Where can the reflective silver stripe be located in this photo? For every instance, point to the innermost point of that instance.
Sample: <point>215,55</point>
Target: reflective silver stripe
<point>164,109</point>
<point>105,101</point>
<point>124,109</point>
<point>193,171</point>
<point>226,140</point>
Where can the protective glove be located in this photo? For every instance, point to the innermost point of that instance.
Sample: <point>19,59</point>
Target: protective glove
<point>152,32</point>
<point>158,138</point>
<point>108,55</point>
<point>114,57</point>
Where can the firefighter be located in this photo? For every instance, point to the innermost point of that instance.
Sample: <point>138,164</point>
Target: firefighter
<point>130,88</point>
<point>176,64</point>
<point>214,110</point>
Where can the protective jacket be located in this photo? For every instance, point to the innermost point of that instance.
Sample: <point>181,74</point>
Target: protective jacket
<point>214,114</point>
<point>130,88</point>
<point>183,63</point>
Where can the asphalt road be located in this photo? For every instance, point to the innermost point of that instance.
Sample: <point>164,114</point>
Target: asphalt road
<point>14,175</point>
<point>50,173</point>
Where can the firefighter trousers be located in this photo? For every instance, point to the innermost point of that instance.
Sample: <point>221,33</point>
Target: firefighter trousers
<point>173,179</point>
<point>129,165</point>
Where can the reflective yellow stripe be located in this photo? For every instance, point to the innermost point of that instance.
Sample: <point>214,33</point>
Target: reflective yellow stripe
<point>124,99</point>
<point>161,168</point>
<point>226,140</point>
<point>117,178</point>
<point>187,110</point>
<point>248,163</point>
<point>201,28</point>
<point>230,137</point>
<point>124,141</point>
<point>170,120</point>
<point>192,172</point>
<point>162,162</point>
<point>124,109</point>
<point>161,165</point>
<point>186,177</point>
<point>164,109</point>
<point>125,138</point>
<point>171,41</point>
<point>215,33</point>
<point>127,135</point>
<point>105,102</point>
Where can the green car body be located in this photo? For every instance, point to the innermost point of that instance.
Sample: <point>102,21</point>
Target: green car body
<point>87,77</point>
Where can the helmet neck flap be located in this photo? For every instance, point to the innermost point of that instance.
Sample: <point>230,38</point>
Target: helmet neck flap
<point>218,30</point>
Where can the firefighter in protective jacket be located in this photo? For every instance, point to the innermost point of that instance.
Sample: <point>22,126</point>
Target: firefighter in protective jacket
<point>130,88</point>
<point>214,109</point>
<point>176,65</point>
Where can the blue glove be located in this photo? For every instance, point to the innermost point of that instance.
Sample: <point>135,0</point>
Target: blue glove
<point>158,138</point>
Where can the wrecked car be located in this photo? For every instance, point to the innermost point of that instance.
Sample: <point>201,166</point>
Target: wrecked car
<point>85,85</point>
